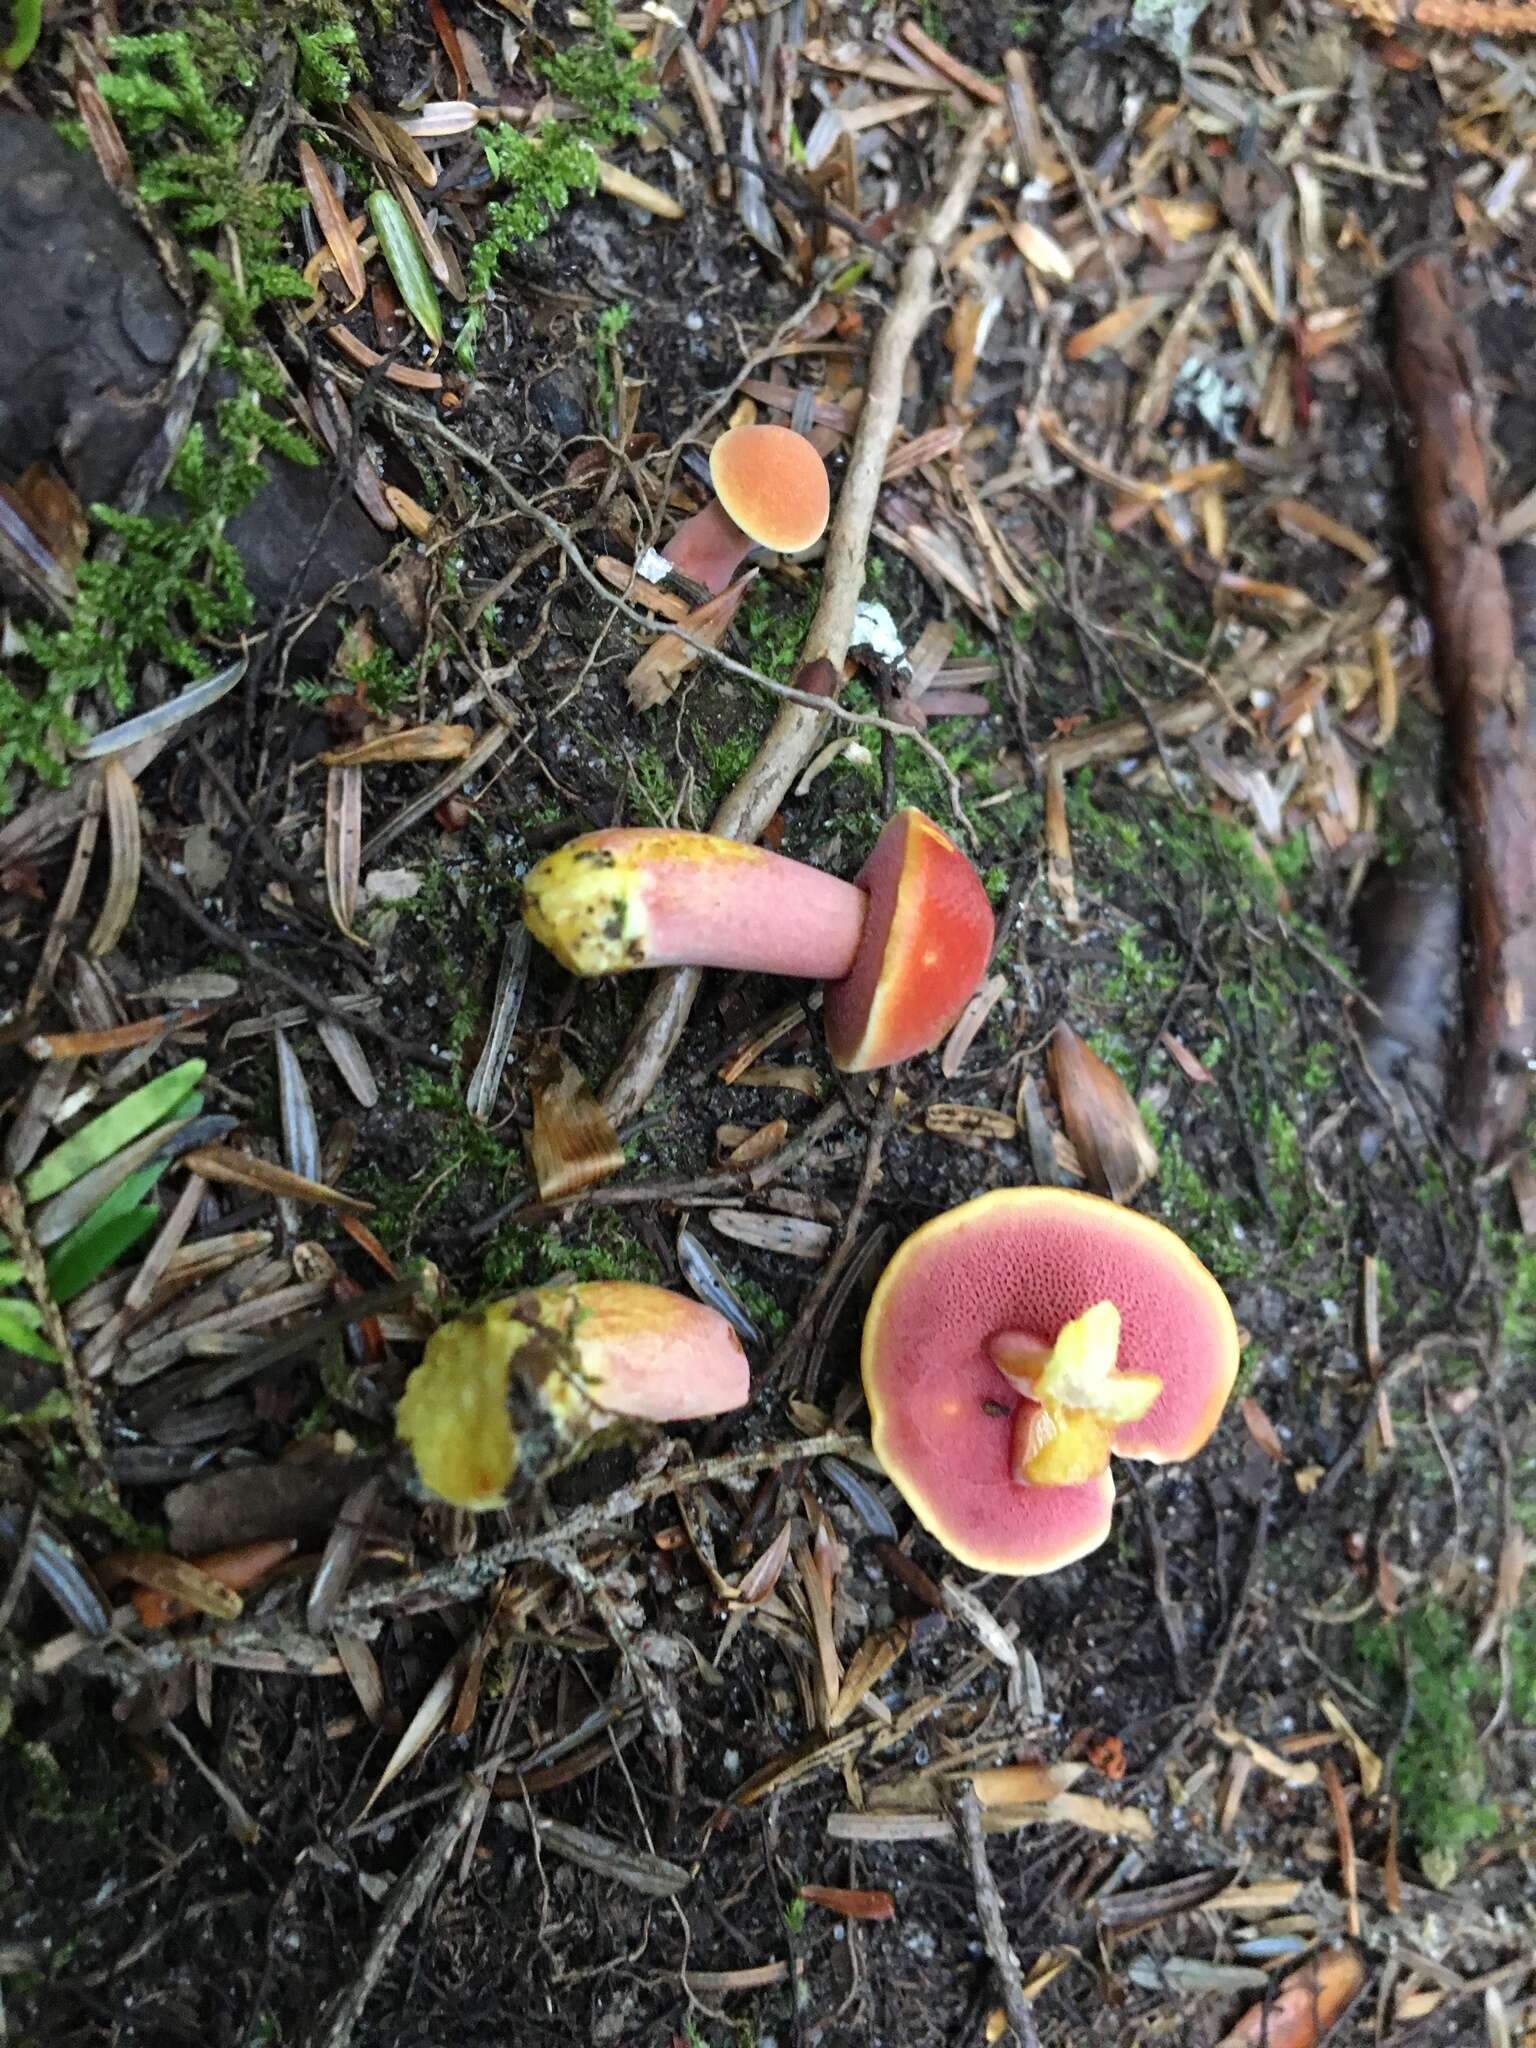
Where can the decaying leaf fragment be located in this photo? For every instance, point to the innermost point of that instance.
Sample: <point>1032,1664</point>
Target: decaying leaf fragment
<point>246,1170</point>
<point>171,1588</point>
<point>853,1905</point>
<point>666,661</point>
<point>122,806</point>
<point>1311,2002</point>
<point>572,1143</point>
<point>343,844</point>
<point>1101,1117</point>
<point>331,216</point>
<point>415,743</point>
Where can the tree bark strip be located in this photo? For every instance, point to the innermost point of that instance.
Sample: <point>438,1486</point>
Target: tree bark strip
<point>1484,691</point>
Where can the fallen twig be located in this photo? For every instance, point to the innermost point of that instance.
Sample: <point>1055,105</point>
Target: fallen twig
<point>406,1898</point>
<point>455,1579</point>
<point>1187,715</point>
<point>793,1355</point>
<point>994,1928</point>
<point>1485,691</point>
<point>425,423</point>
<point>220,936</point>
<point>797,730</point>
<point>13,1225</point>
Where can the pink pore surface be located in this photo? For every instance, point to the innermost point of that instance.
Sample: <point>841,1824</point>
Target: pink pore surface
<point>925,946</point>
<point>1031,1267</point>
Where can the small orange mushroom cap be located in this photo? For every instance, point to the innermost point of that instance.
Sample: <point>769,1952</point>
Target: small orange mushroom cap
<point>773,483</point>
<point>1024,1265</point>
<point>925,944</point>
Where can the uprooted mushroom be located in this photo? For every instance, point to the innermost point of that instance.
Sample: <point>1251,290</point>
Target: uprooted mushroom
<point>902,947</point>
<point>524,1386</point>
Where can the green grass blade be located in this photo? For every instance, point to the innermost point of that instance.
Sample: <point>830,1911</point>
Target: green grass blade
<point>18,1332</point>
<point>87,1252</point>
<point>126,1196</point>
<point>407,265</point>
<point>26,27</point>
<point>66,1257</point>
<point>152,1104</point>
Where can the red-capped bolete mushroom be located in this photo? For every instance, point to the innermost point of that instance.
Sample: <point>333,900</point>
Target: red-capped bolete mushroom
<point>903,946</point>
<point>525,1386</point>
<point>1013,1344</point>
<point>771,491</point>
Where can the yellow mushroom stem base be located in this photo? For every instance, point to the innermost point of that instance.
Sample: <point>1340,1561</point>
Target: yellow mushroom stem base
<point>1076,1399</point>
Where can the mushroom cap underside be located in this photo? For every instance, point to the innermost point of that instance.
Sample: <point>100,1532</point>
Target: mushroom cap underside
<point>927,938</point>
<point>1031,1260</point>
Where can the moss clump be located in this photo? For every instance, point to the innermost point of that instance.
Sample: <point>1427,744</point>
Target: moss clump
<point>601,77</point>
<point>723,766</point>
<point>171,95</point>
<point>538,174</point>
<point>610,324</point>
<point>600,1247</point>
<point>1440,1772</point>
<point>654,785</point>
<point>174,580</point>
<point>773,632</point>
<point>1235,1172</point>
<point>181,99</point>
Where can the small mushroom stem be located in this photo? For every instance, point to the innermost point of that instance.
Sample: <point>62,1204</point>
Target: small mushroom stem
<point>710,547</point>
<point>1064,1430</point>
<point>617,900</point>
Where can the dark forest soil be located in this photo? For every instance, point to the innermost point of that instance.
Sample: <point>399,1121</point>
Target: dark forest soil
<point>1297,1560</point>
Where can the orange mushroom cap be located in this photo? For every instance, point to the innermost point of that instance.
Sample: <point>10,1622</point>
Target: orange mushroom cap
<point>549,1370</point>
<point>773,483</point>
<point>925,945</point>
<point>1024,1264</point>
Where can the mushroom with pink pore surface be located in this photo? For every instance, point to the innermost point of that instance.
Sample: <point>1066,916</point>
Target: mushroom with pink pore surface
<point>904,947</point>
<point>771,491</point>
<point>1020,1278</point>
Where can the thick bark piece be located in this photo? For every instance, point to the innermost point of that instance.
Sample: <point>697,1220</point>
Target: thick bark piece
<point>1484,688</point>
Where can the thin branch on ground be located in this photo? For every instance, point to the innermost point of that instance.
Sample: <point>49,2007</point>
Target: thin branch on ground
<point>406,1898</point>
<point>782,1366</point>
<point>1173,1626</point>
<point>1396,1369</point>
<point>811,706</point>
<point>226,937</point>
<point>456,1578</point>
<point>1257,1551</point>
<point>725,1183</point>
<point>34,1270</point>
<point>1483,680</point>
<point>994,1927</point>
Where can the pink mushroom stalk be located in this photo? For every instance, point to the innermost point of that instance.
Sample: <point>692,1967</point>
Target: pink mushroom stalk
<point>532,1382</point>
